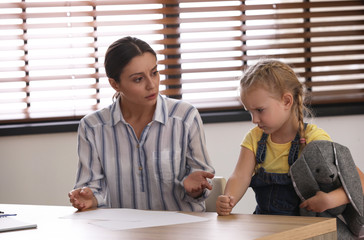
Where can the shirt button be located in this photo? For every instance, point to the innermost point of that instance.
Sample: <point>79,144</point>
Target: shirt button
<point>140,168</point>
<point>138,146</point>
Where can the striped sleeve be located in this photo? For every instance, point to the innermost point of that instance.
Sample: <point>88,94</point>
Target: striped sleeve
<point>90,172</point>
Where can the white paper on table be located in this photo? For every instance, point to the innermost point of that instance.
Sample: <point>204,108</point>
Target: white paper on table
<point>123,218</point>
<point>13,223</point>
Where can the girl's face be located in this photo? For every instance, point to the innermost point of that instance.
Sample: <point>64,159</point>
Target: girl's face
<point>139,81</point>
<point>269,113</point>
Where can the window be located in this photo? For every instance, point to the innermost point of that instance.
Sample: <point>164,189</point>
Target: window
<point>52,52</point>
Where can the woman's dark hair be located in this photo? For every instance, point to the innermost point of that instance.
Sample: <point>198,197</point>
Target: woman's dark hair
<point>120,53</point>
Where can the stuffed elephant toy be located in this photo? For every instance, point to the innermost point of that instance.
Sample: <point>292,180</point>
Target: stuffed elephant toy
<point>325,166</point>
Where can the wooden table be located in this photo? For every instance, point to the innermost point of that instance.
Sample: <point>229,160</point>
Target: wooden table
<point>236,226</point>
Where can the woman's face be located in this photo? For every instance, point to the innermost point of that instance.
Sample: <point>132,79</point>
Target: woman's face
<point>139,81</point>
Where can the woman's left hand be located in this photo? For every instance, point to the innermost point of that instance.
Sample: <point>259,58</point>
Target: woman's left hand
<point>196,182</point>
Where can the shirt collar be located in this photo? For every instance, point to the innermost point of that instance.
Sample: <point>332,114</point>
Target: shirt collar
<point>161,111</point>
<point>160,114</point>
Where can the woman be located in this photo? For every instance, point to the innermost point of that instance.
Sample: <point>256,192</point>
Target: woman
<point>143,151</point>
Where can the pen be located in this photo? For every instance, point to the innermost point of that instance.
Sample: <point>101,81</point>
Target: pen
<point>7,215</point>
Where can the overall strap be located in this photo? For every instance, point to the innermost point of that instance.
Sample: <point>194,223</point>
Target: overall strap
<point>262,148</point>
<point>293,151</point>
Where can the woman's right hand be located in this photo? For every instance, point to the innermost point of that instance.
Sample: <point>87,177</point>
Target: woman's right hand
<point>224,205</point>
<point>82,198</point>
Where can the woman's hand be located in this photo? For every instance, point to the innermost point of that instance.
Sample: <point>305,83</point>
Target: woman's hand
<point>196,182</point>
<point>82,198</point>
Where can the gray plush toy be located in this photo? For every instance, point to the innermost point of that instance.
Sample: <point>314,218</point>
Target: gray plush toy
<point>326,166</point>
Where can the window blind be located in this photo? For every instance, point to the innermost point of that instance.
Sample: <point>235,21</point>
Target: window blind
<point>52,52</point>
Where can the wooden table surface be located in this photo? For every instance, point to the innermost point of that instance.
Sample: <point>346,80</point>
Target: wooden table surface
<point>236,226</point>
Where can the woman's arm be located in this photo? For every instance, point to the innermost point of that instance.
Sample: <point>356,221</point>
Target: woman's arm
<point>198,161</point>
<point>89,168</point>
<point>197,154</point>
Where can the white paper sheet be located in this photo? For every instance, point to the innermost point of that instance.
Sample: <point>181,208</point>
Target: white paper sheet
<point>12,223</point>
<point>122,218</point>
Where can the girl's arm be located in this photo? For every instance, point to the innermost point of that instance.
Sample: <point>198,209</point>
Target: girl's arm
<point>238,183</point>
<point>323,201</point>
<point>361,175</point>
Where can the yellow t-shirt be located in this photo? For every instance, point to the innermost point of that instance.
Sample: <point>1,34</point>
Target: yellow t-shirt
<point>276,160</point>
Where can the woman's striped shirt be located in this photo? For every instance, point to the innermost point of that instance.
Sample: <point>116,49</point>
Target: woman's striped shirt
<point>147,173</point>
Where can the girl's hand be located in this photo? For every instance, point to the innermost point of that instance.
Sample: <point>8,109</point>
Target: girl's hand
<point>82,198</point>
<point>196,182</point>
<point>224,205</point>
<point>318,203</point>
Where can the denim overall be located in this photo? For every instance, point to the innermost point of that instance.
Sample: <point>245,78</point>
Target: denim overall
<point>274,192</point>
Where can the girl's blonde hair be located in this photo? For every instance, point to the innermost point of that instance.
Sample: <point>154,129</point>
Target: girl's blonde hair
<point>278,78</point>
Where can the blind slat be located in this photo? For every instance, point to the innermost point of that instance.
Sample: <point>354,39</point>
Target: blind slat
<point>51,53</point>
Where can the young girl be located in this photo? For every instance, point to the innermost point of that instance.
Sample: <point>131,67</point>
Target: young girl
<point>272,93</point>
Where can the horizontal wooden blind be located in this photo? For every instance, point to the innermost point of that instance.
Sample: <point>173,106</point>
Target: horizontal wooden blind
<point>322,40</point>
<point>52,53</point>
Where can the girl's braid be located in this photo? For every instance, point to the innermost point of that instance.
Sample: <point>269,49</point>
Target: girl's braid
<point>300,115</point>
<point>297,91</point>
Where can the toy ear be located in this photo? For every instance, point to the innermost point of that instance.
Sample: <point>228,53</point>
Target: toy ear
<point>354,222</point>
<point>349,176</point>
<point>303,181</point>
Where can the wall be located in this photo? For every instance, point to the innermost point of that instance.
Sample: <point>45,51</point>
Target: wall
<point>40,169</point>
